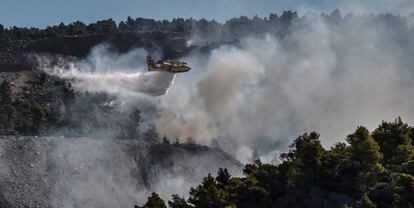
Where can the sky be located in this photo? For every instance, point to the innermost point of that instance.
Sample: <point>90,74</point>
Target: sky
<point>41,13</point>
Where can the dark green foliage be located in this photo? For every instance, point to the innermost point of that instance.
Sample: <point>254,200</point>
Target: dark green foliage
<point>267,176</point>
<point>307,154</point>
<point>48,106</point>
<point>365,202</point>
<point>208,194</point>
<point>404,190</point>
<point>178,202</point>
<point>77,28</point>
<point>233,28</point>
<point>34,108</point>
<point>223,178</point>
<point>352,174</point>
<point>365,158</point>
<point>31,116</point>
<point>395,142</point>
<point>103,26</point>
<point>154,201</point>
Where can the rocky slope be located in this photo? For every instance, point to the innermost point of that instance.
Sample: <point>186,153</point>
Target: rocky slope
<point>83,172</point>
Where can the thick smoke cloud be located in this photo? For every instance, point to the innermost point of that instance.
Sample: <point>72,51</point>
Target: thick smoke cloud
<point>97,170</point>
<point>266,92</point>
<point>261,94</point>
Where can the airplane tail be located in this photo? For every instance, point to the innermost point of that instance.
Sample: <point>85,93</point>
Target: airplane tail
<point>150,62</point>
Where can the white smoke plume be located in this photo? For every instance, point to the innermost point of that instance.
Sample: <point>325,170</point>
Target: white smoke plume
<point>262,94</point>
<point>266,92</point>
<point>105,71</point>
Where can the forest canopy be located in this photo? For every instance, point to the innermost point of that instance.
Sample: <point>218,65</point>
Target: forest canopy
<point>372,169</point>
<point>140,24</point>
<point>276,24</point>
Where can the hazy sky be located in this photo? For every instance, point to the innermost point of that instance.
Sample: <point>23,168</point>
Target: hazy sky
<point>40,13</point>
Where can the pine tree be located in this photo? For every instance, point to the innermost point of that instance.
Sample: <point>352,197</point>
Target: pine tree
<point>365,158</point>
<point>403,190</point>
<point>178,202</point>
<point>395,142</point>
<point>365,202</point>
<point>307,153</point>
<point>208,194</point>
<point>154,201</point>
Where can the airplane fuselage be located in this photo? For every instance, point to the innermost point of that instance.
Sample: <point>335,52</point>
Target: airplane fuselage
<point>169,65</point>
<point>174,68</point>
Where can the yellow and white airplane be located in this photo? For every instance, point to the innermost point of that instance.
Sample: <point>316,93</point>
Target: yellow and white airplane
<point>167,65</point>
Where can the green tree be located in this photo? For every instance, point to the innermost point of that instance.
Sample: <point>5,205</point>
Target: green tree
<point>208,194</point>
<point>365,158</point>
<point>395,142</point>
<point>107,26</point>
<point>263,184</point>
<point>178,202</point>
<point>307,154</point>
<point>154,201</point>
<point>223,178</point>
<point>247,193</point>
<point>365,202</point>
<point>404,190</point>
<point>334,164</point>
<point>103,26</point>
<point>77,28</point>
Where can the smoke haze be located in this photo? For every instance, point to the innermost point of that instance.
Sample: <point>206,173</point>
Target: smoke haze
<point>255,96</point>
<point>321,77</point>
<point>264,92</point>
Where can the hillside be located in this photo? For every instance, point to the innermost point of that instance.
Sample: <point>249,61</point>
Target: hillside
<point>98,172</point>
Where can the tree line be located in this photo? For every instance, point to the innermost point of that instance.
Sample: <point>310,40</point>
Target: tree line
<point>139,24</point>
<point>370,169</point>
<point>235,27</point>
